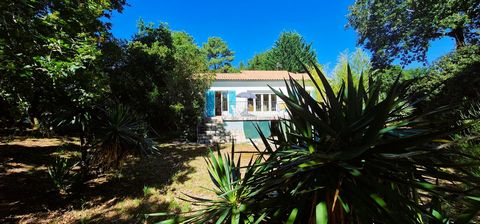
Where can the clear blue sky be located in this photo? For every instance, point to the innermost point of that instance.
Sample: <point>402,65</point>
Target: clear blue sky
<point>251,27</point>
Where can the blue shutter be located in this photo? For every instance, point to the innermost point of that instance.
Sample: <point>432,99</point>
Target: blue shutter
<point>210,103</point>
<point>232,102</point>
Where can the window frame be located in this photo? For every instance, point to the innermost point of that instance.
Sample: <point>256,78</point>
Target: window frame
<point>224,95</point>
<point>273,107</point>
<point>267,101</point>
<point>260,98</point>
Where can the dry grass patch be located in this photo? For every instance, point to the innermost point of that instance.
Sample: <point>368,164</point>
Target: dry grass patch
<point>152,184</point>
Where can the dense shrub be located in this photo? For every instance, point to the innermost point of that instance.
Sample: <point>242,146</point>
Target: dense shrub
<point>469,139</point>
<point>159,75</point>
<point>454,80</point>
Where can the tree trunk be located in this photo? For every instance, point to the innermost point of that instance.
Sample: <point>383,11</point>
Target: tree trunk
<point>459,36</point>
<point>84,161</point>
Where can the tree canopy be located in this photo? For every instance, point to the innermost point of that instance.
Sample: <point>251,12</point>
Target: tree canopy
<point>261,61</point>
<point>359,63</point>
<point>59,61</point>
<point>219,56</point>
<point>405,28</point>
<point>288,53</point>
<point>159,78</point>
<point>49,54</point>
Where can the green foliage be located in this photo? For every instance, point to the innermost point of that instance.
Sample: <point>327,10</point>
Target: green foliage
<point>388,76</point>
<point>58,69</point>
<point>218,54</point>
<point>458,61</point>
<point>46,57</point>
<point>359,63</point>
<point>261,61</point>
<point>453,80</point>
<point>234,195</point>
<point>469,143</point>
<point>241,66</point>
<point>290,50</point>
<point>162,76</point>
<point>469,140</point>
<point>288,53</point>
<point>60,173</point>
<point>346,150</point>
<point>392,28</point>
<point>119,133</point>
<point>187,85</point>
<point>138,80</point>
<point>357,157</point>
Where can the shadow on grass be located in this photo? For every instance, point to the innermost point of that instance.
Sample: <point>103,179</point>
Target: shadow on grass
<point>120,197</point>
<point>24,180</point>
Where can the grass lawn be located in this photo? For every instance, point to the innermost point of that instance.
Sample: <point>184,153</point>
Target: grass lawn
<point>151,184</point>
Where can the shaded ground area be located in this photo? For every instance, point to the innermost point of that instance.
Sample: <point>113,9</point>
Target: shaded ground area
<point>141,186</point>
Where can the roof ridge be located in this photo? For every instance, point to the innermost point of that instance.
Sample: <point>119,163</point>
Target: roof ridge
<point>261,75</point>
<point>264,70</point>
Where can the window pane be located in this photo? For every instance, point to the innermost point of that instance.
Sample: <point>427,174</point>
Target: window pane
<point>258,102</point>
<point>224,101</point>
<point>265,102</point>
<point>274,102</point>
<point>250,104</point>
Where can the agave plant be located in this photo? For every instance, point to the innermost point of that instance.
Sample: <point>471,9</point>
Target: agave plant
<point>118,132</point>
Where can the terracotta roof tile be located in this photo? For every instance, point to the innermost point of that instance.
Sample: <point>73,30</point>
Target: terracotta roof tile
<point>261,75</point>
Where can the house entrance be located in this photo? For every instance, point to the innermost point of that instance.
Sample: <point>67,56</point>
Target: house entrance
<point>221,102</point>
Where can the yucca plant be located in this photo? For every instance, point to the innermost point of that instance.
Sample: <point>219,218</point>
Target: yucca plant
<point>234,201</point>
<point>360,156</point>
<point>59,173</point>
<point>118,132</point>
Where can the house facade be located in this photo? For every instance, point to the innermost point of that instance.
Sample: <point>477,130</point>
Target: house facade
<point>238,101</point>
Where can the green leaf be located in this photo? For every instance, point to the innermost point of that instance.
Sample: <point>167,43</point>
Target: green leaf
<point>292,216</point>
<point>473,198</point>
<point>437,214</point>
<point>378,200</point>
<point>321,213</point>
<point>223,216</point>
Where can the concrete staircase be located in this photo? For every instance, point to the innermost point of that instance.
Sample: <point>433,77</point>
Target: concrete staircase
<point>212,130</point>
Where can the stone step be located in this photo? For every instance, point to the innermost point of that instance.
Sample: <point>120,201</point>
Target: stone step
<point>211,132</point>
<point>205,141</point>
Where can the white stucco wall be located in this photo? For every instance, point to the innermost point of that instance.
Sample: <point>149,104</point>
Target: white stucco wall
<point>256,87</point>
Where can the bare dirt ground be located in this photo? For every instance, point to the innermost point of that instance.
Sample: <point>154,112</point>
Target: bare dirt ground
<point>142,185</point>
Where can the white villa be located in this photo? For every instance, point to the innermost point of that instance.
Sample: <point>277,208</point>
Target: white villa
<point>237,101</point>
